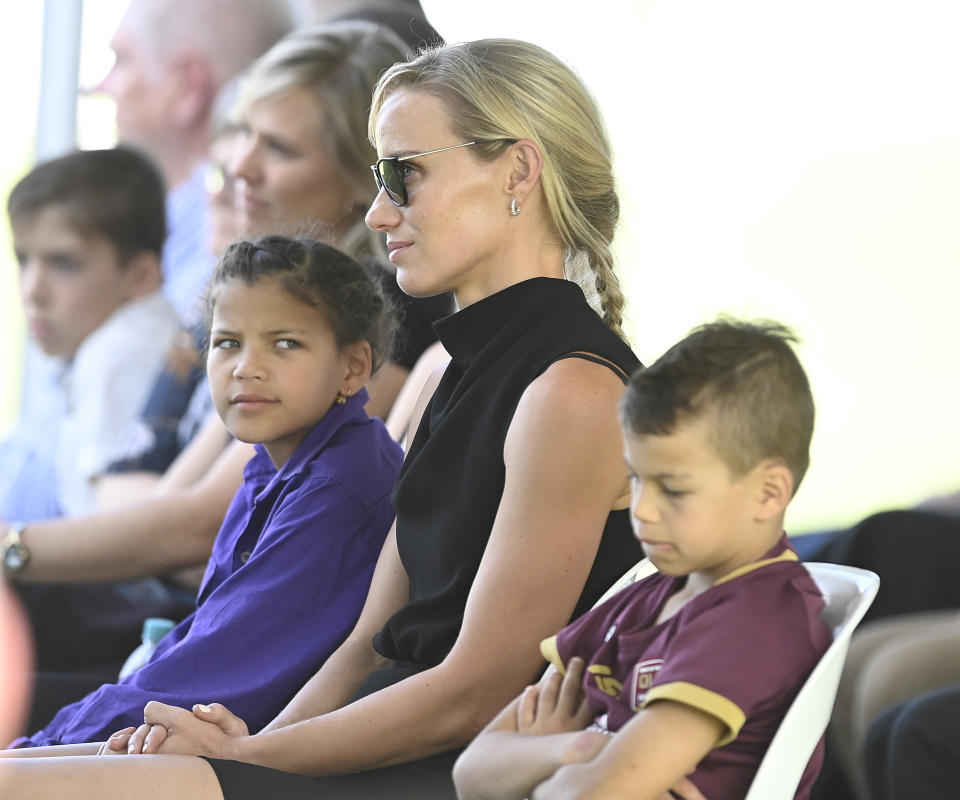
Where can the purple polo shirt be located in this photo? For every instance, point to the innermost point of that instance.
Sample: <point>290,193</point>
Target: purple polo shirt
<point>285,583</point>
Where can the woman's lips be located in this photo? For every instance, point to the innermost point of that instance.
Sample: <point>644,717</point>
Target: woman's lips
<point>395,249</point>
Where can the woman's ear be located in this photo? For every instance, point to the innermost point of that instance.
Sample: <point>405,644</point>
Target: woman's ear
<point>774,489</point>
<point>357,360</point>
<point>525,168</point>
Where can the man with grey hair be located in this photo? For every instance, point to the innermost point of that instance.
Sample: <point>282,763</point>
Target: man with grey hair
<point>172,57</point>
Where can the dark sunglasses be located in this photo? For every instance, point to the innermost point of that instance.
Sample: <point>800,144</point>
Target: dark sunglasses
<point>390,175</point>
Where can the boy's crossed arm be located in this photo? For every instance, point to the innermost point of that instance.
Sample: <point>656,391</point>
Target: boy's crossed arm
<point>539,747</point>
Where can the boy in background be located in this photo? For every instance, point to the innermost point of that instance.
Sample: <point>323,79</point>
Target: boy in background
<point>88,231</point>
<point>679,682</point>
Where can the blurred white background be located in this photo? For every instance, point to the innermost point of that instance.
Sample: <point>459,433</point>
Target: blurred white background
<point>796,161</point>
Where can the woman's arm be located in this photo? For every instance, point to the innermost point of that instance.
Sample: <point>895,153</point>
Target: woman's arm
<point>150,537</point>
<point>564,470</point>
<point>187,469</point>
<point>411,399</point>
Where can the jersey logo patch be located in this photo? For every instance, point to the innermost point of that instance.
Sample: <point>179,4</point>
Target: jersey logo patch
<point>644,674</point>
<point>602,676</point>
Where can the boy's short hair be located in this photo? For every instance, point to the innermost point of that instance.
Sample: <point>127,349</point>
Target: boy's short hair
<point>747,376</point>
<point>116,193</point>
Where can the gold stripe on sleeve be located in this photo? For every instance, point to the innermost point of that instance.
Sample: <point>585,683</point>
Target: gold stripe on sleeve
<point>716,705</point>
<point>548,647</point>
<point>786,555</point>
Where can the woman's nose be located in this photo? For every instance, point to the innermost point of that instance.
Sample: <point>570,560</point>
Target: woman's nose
<point>383,214</point>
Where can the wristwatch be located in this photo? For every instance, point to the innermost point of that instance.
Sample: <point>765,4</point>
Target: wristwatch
<point>15,553</point>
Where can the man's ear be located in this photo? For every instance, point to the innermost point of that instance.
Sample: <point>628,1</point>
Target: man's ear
<point>196,89</point>
<point>525,168</point>
<point>774,489</point>
<point>142,275</point>
<point>357,360</point>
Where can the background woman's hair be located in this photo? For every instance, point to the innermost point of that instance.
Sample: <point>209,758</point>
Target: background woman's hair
<point>339,63</point>
<point>316,273</point>
<point>496,89</point>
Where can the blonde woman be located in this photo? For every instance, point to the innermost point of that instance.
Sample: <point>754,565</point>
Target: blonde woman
<point>495,183</point>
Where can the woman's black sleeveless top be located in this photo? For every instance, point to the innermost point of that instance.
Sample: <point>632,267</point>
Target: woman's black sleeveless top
<point>452,480</point>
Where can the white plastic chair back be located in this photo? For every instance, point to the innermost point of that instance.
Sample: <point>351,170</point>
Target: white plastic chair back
<point>848,592</point>
<point>639,570</point>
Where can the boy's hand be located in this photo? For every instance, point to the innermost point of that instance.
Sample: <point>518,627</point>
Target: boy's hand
<point>556,705</point>
<point>685,790</point>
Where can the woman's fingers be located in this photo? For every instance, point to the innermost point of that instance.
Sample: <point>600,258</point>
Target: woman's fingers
<point>221,716</point>
<point>135,742</point>
<point>154,738</point>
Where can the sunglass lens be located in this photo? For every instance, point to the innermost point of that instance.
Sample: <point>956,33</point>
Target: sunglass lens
<point>392,182</point>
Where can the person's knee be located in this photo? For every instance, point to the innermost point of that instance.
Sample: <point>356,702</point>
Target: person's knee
<point>919,727</point>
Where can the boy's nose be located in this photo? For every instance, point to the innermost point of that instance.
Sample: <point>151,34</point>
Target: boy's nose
<point>33,284</point>
<point>642,508</point>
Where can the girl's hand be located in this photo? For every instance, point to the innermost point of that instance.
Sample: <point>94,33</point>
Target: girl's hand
<point>206,730</point>
<point>556,705</point>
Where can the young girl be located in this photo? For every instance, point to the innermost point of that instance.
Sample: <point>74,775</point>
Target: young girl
<point>296,329</point>
<point>496,183</point>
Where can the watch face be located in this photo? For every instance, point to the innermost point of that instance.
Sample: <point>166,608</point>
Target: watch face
<point>14,559</point>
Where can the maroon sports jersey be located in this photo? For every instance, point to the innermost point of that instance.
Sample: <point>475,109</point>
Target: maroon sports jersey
<point>739,651</point>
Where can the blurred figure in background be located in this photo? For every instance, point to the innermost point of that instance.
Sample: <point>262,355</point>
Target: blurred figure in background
<point>172,57</point>
<point>405,18</point>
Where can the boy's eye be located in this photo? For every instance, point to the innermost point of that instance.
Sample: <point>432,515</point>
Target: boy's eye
<point>287,344</point>
<point>63,263</point>
<point>225,344</point>
<point>673,493</point>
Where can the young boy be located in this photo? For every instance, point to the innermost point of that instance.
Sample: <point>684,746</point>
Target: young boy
<point>681,680</point>
<point>88,231</point>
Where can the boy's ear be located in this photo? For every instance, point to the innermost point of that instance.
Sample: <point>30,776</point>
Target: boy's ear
<point>142,275</point>
<point>358,361</point>
<point>774,489</point>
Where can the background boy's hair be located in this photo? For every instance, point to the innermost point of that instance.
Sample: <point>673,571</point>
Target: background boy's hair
<point>747,376</point>
<point>347,295</point>
<point>116,193</point>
